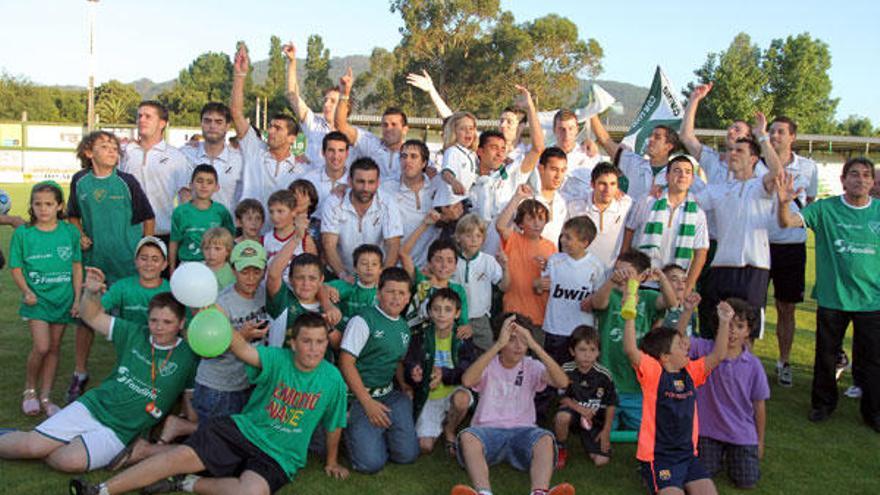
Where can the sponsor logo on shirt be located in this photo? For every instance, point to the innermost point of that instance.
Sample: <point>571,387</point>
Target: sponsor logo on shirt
<point>849,247</point>
<point>288,406</point>
<point>875,227</point>
<point>49,278</point>
<point>560,292</point>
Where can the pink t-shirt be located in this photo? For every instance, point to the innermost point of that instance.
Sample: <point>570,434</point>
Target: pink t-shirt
<point>507,395</point>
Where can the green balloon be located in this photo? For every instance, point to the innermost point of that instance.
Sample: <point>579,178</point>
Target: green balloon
<point>209,333</point>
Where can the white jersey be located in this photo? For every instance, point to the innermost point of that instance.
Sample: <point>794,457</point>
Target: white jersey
<point>229,166</point>
<point>610,226</point>
<point>806,182</point>
<point>370,145</point>
<point>462,163</point>
<point>274,244</point>
<point>161,171</point>
<point>571,281</point>
<point>263,174</point>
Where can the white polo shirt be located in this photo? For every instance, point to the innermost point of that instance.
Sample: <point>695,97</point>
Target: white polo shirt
<point>315,127</point>
<point>161,171</point>
<point>263,174</point>
<point>806,178</point>
<point>609,226</point>
<point>491,192</point>
<point>381,221</point>
<point>462,163</point>
<point>229,166</point>
<point>571,281</point>
<point>743,210</point>
<point>558,215</point>
<point>641,176</point>
<point>477,276</point>
<point>579,176</point>
<point>413,207</point>
<point>641,213</point>
<point>370,145</point>
<point>324,185</point>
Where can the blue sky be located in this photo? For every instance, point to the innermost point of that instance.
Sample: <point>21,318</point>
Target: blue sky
<point>46,41</point>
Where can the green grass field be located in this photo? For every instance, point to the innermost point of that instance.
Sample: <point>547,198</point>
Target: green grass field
<point>835,457</point>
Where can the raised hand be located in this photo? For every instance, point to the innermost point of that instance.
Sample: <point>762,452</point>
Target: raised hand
<point>422,81</point>
<point>725,312</point>
<point>785,187</point>
<point>691,301</point>
<point>289,50</point>
<point>346,81</point>
<point>506,329</point>
<point>432,217</point>
<point>524,99</point>
<point>760,128</point>
<point>94,280</point>
<point>524,191</point>
<point>241,64</point>
<point>701,91</point>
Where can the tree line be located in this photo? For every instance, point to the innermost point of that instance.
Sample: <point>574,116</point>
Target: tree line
<point>474,51</point>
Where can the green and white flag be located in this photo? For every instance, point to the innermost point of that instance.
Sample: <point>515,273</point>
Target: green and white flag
<point>661,107</point>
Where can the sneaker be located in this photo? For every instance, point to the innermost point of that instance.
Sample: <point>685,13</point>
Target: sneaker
<point>783,375</point>
<point>80,486</point>
<point>168,485</point>
<point>854,392</point>
<point>842,365</point>
<point>462,490</point>
<point>561,458</point>
<point>77,387</point>
<point>561,489</point>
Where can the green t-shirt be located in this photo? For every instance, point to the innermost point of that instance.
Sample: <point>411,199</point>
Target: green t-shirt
<point>847,254</point>
<point>120,402</point>
<point>379,343</point>
<point>287,405</point>
<point>611,333</point>
<point>442,359</point>
<point>130,299</point>
<point>46,260</point>
<point>189,223</point>
<point>112,210</point>
<point>352,298</point>
<point>673,316</point>
<point>286,299</point>
<point>417,312</point>
<point>225,276</point>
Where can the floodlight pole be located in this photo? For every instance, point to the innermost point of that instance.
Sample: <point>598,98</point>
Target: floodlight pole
<point>92,6</point>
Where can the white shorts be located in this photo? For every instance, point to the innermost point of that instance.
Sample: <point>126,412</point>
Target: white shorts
<point>430,422</point>
<point>74,421</point>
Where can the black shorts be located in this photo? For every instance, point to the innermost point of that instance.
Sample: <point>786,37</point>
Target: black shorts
<point>225,452</point>
<point>787,265</point>
<point>589,438</point>
<point>748,283</point>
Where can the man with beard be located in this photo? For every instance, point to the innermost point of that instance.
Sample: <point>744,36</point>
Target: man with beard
<point>361,216</point>
<point>607,208</point>
<point>385,151</point>
<point>213,150</point>
<point>268,166</point>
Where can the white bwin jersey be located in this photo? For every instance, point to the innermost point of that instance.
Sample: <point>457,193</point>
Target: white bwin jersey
<point>571,281</point>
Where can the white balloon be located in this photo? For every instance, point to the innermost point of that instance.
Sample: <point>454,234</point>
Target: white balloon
<point>194,285</point>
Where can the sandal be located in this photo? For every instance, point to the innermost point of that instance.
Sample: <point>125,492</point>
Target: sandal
<point>30,405</point>
<point>49,407</point>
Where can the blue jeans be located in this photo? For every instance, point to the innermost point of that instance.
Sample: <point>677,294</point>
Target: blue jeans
<point>210,403</point>
<point>370,447</point>
<point>511,445</point>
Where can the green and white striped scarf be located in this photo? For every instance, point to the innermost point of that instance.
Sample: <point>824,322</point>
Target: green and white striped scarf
<point>652,236</point>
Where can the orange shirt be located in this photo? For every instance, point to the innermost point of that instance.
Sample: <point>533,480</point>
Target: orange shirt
<point>524,269</point>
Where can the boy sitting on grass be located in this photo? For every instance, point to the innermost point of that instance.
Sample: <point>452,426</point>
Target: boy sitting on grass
<point>731,404</point>
<point>433,366</point>
<point>503,427</point>
<point>668,436</point>
<point>587,406</point>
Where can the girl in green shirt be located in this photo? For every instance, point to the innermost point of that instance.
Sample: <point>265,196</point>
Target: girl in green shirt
<point>45,259</point>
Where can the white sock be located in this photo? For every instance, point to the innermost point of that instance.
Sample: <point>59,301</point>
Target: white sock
<point>779,364</point>
<point>103,489</point>
<point>189,482</point>
<point>484,492</point>
<point>81,376</point>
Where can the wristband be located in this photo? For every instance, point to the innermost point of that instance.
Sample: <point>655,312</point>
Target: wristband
<point>763,138</point>
<point>343,97</point>
<point>241,74</point>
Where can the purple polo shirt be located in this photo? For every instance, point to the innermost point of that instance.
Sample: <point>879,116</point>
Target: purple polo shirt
<point>725,401</point>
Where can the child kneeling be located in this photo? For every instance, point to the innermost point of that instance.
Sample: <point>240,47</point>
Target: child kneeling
<point>503,427</point>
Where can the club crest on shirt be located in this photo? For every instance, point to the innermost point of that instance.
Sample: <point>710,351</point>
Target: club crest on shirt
<point>679,385</point>
<point>664,475</point>
<point>600,392</point>
<point>875,227</point>
<point>99,194</point>
<point>64,252</point>
<point>404,337</point>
